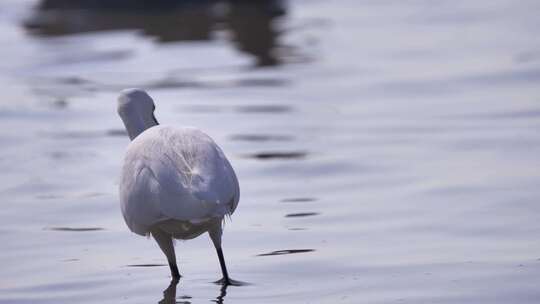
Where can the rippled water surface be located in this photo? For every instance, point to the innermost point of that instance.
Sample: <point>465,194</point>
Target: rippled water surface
<point>388,151</point>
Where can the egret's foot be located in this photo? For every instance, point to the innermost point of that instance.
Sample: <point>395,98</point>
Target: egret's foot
<point>230,282</point>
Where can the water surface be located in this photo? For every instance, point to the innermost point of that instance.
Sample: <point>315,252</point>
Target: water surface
<point>388,151</point>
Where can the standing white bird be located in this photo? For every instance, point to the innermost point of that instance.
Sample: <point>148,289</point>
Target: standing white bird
<point>175,183</point>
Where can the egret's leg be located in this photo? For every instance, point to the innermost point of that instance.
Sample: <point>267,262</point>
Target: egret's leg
<point>165,243</point>
<point>215,234</point>
<point>223,266</point>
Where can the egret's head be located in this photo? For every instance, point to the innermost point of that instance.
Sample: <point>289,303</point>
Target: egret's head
<point>136,108</point>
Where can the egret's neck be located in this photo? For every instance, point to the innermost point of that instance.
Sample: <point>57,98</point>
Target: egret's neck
<point>135,125</point>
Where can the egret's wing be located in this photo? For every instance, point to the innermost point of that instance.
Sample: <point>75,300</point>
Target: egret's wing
<point>198,172</point>
<point>137,197</point>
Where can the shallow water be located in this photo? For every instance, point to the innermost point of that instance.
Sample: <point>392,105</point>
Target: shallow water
<point>388,151</point>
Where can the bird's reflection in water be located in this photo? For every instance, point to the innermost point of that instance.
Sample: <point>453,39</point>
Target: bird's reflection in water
<point>221,298</point>
<point>250,25</point>
<point>169,294</point>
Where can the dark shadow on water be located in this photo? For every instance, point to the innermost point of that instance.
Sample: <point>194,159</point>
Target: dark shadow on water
<point>146,265</point>
<point>91,194</point>
<point>298,200</point>
<point>261,82</point>
<point>48,196</point>
<point>260,137</point>
<point>84,134</point>
<point>277,109</point>
<point>73,229</point>
<point>277,155</point>
<point>116,132</point>
<point>250,25</point>
<point>175,83</point>
<point>302,214</point>
<point>286,251</point>
<point>267,109</point>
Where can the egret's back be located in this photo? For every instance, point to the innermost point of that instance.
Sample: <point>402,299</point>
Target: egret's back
<point>172,173</point>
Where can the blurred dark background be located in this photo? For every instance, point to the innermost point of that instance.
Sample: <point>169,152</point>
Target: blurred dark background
<point>251,25</point>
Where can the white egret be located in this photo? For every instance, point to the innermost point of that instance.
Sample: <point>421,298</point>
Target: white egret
<point>176,183</point>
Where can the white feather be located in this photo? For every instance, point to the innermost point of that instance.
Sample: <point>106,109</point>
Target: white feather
<point>174,174</point>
